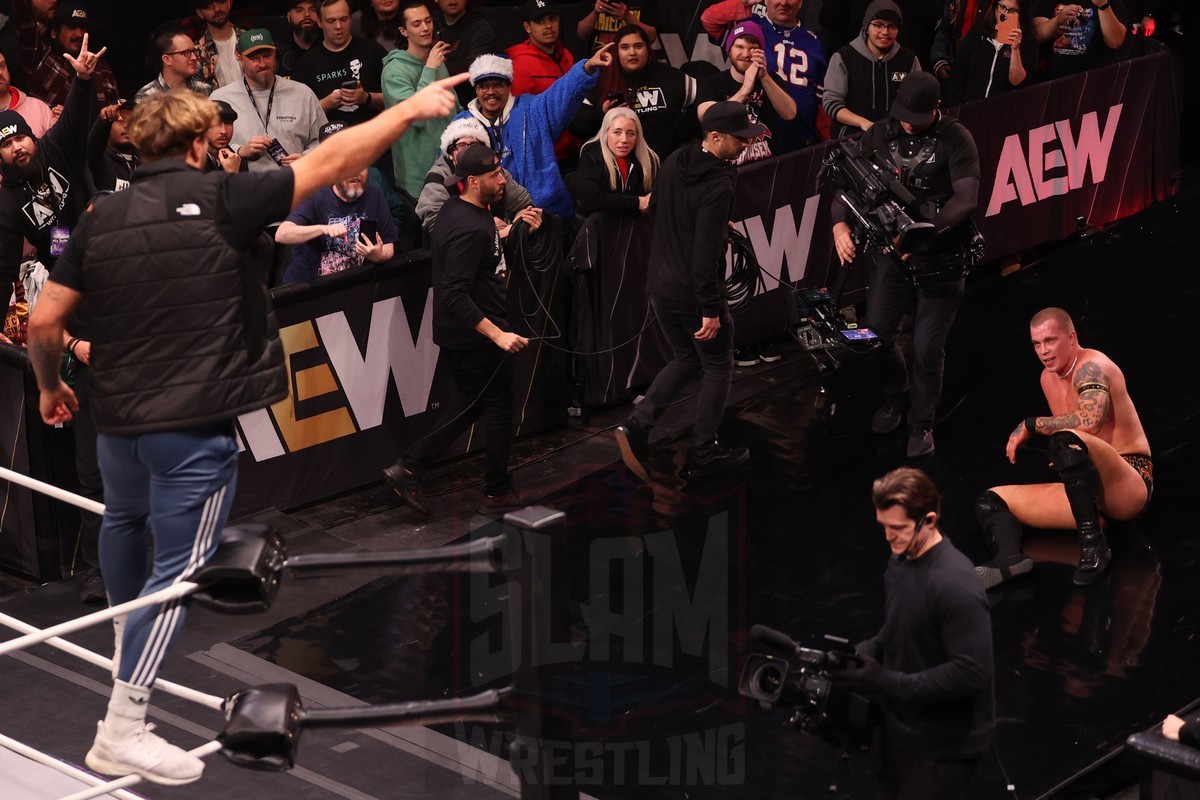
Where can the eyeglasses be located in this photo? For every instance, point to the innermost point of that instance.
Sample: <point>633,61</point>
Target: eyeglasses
<point>884,26</point>
<point>1003,9</point>
<point>190,53</point>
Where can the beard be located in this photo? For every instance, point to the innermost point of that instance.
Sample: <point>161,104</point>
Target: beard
<point>306,34</point>
<point>14,174</point>
<point>350,193</point>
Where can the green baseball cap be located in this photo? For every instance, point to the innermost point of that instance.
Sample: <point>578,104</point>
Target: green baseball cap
<point>254,39</point>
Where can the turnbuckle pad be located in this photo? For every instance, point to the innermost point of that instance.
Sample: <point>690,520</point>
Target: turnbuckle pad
<point>244,573</point>
<point>263,731</point>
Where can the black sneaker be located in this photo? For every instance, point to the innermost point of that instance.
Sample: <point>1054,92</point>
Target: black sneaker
<point>1094,556</point>
<point>93,591</point>
<point>407,485</point>
<point>719,460</point>
<point>889,415</point>
<point>509,501</point>
<point>769,353</point>
<point>1003,568</point>
<point>634,445</point>
<point>920,443</point>
<point>746,357</point>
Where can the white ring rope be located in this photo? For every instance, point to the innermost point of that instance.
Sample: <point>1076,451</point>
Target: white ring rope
<point>52,491</point>
<point>209,700</point>
<point>65,768</point>
<point>172,592</point>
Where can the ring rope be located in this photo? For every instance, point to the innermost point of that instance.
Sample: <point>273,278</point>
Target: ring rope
<point>168,593</point>
<point>52,491</point>
<point>209,700</point>
<point>63,767</point>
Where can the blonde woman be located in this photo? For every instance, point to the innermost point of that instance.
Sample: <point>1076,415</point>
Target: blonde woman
<point>617,169</point>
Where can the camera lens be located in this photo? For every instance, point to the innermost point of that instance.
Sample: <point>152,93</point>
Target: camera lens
<point>768,680</point>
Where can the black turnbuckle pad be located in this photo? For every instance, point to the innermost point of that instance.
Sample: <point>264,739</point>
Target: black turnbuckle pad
<point>263,731</point>
<point>243,575</point>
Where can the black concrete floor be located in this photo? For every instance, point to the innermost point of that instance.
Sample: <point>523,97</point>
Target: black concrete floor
<point>654,586</point>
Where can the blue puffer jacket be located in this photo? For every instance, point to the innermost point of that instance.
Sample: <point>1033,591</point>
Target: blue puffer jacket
<point>524,136</point>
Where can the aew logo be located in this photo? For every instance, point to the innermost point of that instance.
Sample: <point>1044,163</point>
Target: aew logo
<point>898,76</point>
<point>1055,162</point>
<point>650,98</point>
<point>78,13</point>
<point>8,130</point>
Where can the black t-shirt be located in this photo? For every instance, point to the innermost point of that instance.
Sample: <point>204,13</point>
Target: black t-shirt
<point>722,86</point>
<point>249,201</point>
<point>1079,46</point>
<point>469,275</point>
<point>324,72</point>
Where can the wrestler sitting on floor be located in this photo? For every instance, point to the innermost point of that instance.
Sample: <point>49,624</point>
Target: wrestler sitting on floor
<point>1097,446</point>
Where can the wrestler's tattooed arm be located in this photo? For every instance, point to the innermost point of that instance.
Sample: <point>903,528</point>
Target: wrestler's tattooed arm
<point>1092,408</point>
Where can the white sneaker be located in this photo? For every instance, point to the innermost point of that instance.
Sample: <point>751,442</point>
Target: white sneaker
<point>143,753</point>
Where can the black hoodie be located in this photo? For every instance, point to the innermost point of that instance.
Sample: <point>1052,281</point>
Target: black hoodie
<point>691,204</point>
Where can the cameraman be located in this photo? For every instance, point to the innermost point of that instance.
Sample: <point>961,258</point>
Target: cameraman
<point>935,158</point>
<point>931,663</point>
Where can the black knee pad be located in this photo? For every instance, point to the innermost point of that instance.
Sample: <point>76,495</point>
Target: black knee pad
<point>1080,478</point>
<point>1001,530</point>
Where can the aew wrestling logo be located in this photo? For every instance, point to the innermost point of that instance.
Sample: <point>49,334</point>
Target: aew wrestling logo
<point>8,130</point>
<point>898,76</point>
<point>48,199</point>
<point>650,98</point>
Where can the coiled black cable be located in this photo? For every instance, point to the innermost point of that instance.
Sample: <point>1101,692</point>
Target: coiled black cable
<point>745,278</point>
<point>540,250</point>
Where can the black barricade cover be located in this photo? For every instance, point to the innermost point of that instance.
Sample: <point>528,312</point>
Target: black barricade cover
<point>364,378</point>
<point>18,544</point>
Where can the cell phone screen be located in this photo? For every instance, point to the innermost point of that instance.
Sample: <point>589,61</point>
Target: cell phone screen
<point>369,228</point>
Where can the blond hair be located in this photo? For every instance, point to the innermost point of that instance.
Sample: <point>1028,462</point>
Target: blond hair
<point>1057,315</point>
<point>165,124</point>
<point>646,158</point>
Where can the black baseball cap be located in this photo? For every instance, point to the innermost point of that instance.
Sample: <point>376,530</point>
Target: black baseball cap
<point>329,129</point>
<point>477,159</point>
<point>536,9</point>
<point>225,112</point>
<point>71,14</point>
<point>729,116</point>
<point>917,98</point>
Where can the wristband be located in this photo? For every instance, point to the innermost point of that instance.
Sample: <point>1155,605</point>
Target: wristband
<point>1031,424</point>
<point>71,344</point>
<point>1104,7</point>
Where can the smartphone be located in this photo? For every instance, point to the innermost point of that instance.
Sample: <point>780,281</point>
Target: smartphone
<point>859,335</point>
<point>276,152</point>
<point>1005,25</point>
<point>616,97</point>
<point>369,228</point>
<point>348,85</point>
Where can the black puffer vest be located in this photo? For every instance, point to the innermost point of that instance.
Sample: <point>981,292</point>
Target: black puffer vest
<point>183,334</point>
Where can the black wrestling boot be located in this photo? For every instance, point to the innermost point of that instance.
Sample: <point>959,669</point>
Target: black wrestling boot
<point>1094,557</point>
<point>1002,532</point>
<point>1081,479</point>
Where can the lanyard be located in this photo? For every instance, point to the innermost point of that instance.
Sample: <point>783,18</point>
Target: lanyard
<point>266,119</point>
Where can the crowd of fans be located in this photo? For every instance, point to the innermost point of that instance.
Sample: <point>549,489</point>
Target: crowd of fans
<point>581,112</point>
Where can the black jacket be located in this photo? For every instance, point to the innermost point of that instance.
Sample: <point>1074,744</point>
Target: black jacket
<point>181,324</point>
<point>590,187</point>
<point>691,204</point>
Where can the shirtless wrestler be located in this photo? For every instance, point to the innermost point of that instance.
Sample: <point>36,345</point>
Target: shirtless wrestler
<point>1097,446</point>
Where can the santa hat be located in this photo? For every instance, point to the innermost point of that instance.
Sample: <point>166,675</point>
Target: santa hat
<point>490,66</point>
<point>460,128</point>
